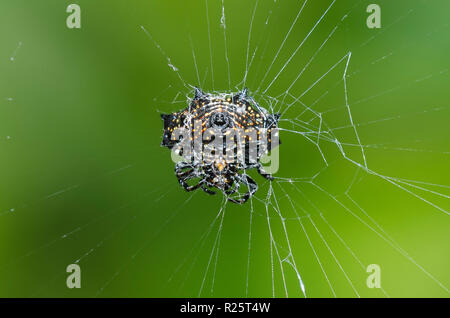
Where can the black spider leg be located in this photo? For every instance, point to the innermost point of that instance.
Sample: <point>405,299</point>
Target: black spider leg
<point>263,173</point>
<point>179,169</point>
<point>235,188</point>
<point>251,185</point>
<point>209,191</point>
<point>183,176</point>
<point>207,183</point>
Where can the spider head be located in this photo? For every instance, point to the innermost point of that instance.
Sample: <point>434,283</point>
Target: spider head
<point>220,174</point>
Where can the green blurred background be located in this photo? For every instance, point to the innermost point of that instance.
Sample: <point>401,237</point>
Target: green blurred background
<point>83,178</point>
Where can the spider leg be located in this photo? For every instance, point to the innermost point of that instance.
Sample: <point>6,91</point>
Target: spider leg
<point>188,187</point>
<point>251,185</point>
<point>235,188</point>
<point>264,174</point>
<point>179,167</point>
<point>183,176</point>
<point>209,191</point>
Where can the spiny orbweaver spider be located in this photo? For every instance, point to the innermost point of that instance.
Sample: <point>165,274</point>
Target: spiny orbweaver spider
<point>216,139</point>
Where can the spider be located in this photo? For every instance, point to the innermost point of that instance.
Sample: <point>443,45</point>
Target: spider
<point>231,133</point>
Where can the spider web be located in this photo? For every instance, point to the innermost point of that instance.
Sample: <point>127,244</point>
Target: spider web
<point>293,240</point>
<point>318,125</point>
